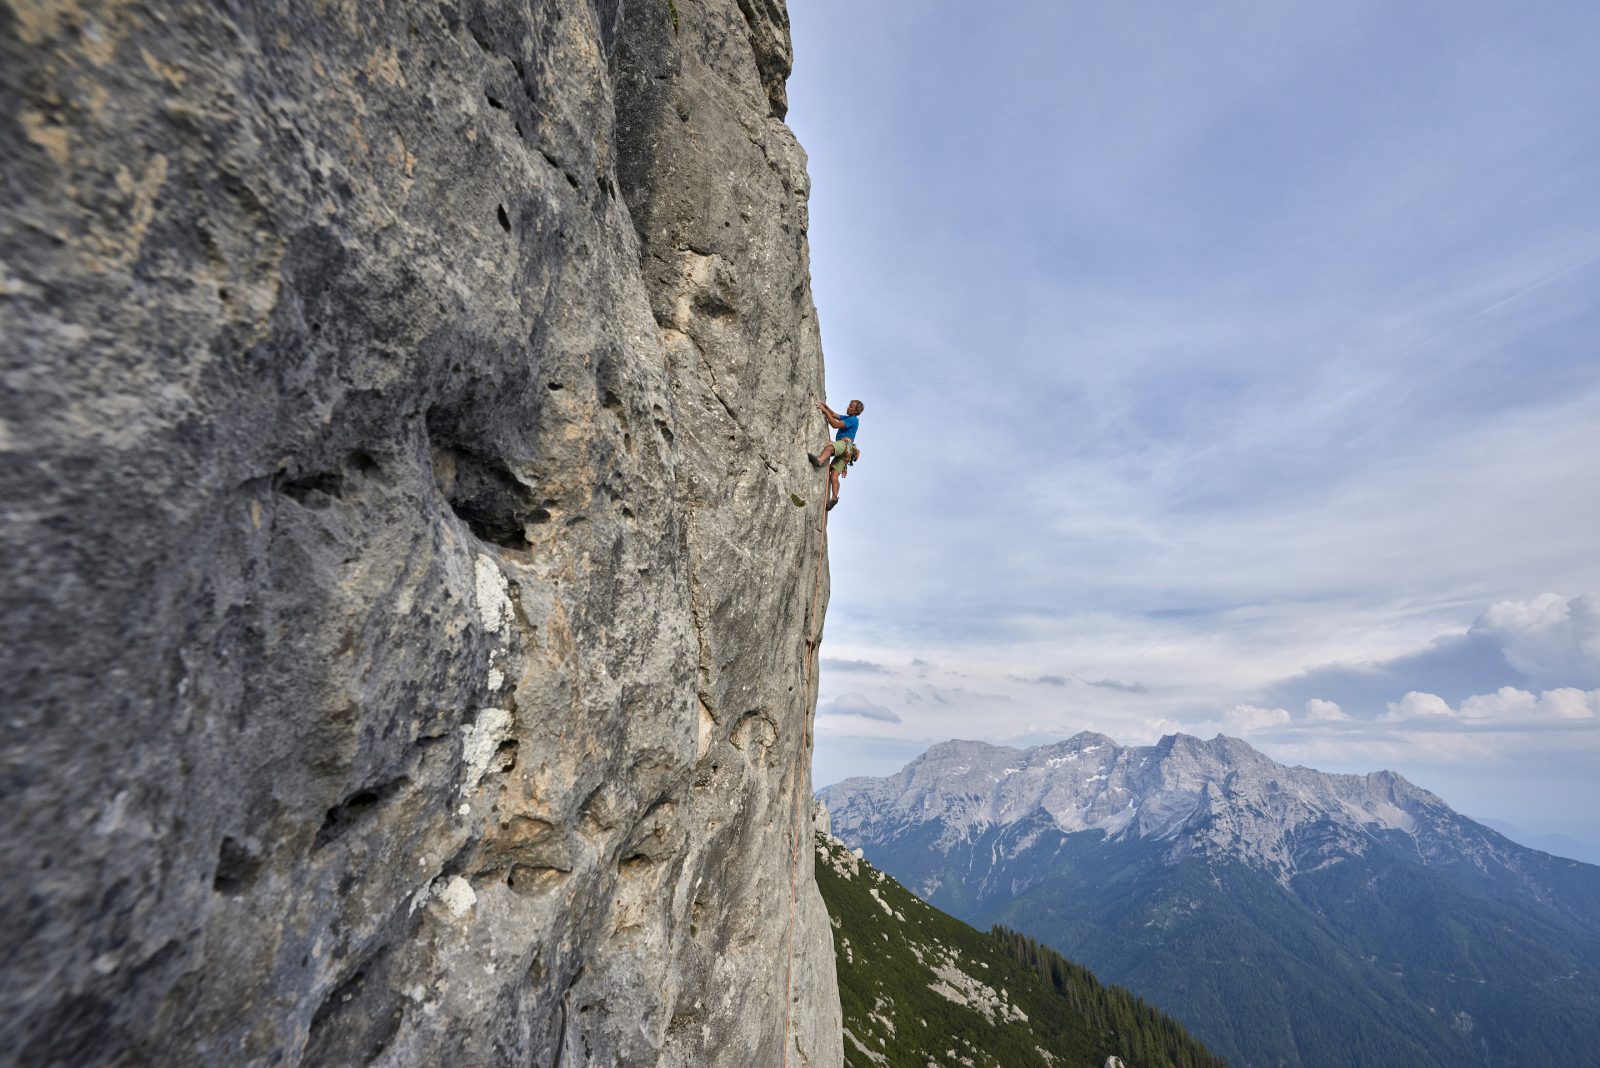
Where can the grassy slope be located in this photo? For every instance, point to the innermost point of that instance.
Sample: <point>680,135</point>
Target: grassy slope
<point>906,968</point>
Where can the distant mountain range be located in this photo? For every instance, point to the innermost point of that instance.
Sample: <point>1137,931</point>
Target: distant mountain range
<point>919,987</point>
<point>1558,845</point>
<point>1288,917</point>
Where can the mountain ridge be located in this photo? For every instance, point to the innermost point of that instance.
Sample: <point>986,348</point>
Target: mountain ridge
<point>1127,801</point>
<point>1285,915</point>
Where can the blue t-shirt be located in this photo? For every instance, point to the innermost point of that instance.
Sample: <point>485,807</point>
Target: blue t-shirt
<point>848,427</point>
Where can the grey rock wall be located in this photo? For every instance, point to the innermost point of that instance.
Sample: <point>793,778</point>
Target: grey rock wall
<point>411,566</point>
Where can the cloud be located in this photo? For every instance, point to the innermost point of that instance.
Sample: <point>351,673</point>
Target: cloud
<point>853,704</point>
<point>1569,702</point>
<point>1065,680</point>
<point>1415,705</point>
<point>864,667</point>
<point>1252,717</point>
<point>1043,680</point>
<point>1507,705</point>
<point>1507,702</point>
<point>1456,666</point>
<point>1549,638</point>
<point>1322,711</point>
<point>1120,687</point>
<point>1547,642</point>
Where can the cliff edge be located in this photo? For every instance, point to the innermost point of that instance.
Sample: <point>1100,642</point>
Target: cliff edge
<point>412,567</point>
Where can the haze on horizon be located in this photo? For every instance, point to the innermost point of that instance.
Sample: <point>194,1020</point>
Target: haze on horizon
<point>1228,369</point>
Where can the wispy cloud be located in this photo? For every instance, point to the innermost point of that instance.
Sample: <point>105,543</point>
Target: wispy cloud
<point>1120,687</point>
<point>864,667</point>
<point>853,704</point>
<point>1043,680</point>
<point>1507,705</point>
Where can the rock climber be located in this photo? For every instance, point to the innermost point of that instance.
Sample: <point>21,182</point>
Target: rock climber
<point>842,450</point>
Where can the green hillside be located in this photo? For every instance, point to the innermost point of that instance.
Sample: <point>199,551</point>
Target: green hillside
<point>921,988</point>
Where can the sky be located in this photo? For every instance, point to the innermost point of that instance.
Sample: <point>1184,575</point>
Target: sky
<point>1228,368</point>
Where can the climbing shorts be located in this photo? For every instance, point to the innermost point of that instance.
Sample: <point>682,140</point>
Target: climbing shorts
<point>844,454</point>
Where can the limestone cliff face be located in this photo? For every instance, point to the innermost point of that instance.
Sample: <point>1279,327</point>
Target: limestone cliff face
<point>412,567</point>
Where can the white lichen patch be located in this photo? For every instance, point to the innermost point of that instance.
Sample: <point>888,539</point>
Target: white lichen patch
<point>480,742</point>
<point>493,594</point>
<point>457,896</point>
<point>497,679</point>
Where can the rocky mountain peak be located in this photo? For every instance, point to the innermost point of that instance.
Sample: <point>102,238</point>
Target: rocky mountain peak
<point>1216,795</point>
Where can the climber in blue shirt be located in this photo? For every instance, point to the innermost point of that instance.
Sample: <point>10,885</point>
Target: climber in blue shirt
<point>842,450</point>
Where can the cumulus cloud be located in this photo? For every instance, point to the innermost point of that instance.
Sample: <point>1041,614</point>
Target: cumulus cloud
<point>1253,717</point>
<point>1506,705</point>
<point>1507,702</point>
<point>1324,711</point>
<point>1549,638</point>
<point>853,704</point>
<point>1569,702</point>
<point>1415,705</point>
<point>1546,642</point>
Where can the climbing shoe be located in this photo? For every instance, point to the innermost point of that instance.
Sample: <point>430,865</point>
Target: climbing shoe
<point>832,503</point>
<point>814,461</point>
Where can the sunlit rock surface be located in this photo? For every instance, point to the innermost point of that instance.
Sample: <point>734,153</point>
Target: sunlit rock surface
<point>406,603</point>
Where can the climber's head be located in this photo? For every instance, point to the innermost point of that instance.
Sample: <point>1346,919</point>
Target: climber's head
<point>856,408</point>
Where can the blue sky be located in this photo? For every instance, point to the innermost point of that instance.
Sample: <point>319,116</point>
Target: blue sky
<point>1222,362</point>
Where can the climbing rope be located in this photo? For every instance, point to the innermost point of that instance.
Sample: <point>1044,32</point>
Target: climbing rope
<point>808,684</point>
